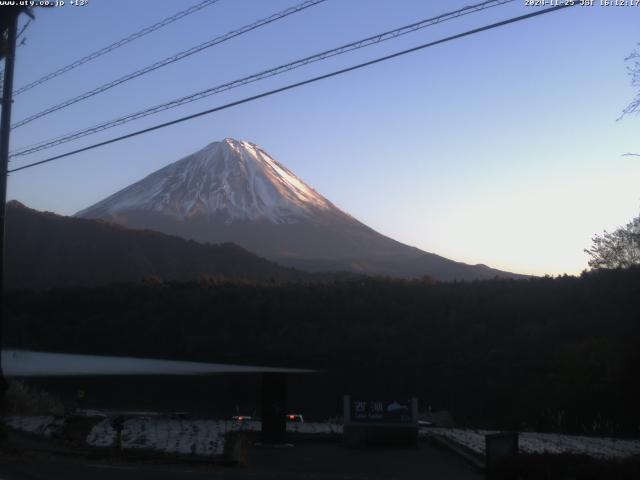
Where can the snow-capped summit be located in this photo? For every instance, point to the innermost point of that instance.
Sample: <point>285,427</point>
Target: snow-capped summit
<point>233,179</point>
<point>233,191</point>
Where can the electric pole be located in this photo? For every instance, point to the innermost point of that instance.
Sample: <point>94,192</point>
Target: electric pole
<point>10,26</point>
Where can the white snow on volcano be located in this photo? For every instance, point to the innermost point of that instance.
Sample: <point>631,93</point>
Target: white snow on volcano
<point>234,178</point>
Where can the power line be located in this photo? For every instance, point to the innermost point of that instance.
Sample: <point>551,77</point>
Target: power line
<point>23,29</point>
<point>169,60</point>
<point>258,76</point>
<point>298,84</point>
<point>109,48</point>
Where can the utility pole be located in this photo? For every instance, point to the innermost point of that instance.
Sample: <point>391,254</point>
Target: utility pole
<point>10,25</point>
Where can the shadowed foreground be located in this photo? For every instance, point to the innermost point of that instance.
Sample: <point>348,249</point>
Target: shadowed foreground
<point>303,461</point>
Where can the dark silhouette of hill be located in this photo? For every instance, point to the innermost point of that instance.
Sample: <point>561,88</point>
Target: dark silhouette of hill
<point>48,250</point>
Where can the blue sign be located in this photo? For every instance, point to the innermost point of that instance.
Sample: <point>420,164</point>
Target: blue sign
<point>381,411</point>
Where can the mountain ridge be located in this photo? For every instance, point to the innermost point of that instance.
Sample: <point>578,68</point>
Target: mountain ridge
<point>47,250</point>
<point>233,191</point>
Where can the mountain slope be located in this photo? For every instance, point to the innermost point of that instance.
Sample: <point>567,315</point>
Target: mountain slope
<point>48,250</point>
<point>233,191</point>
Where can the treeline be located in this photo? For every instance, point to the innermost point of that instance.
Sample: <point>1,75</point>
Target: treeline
<point>550,354</point>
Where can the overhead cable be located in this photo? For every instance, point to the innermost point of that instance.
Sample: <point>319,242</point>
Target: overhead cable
<point>115,45</point>
<point>258,76</point>
<point>169,60</point>
<point>296,85</point>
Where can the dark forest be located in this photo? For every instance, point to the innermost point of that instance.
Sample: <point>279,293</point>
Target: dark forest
<point>547,354</point>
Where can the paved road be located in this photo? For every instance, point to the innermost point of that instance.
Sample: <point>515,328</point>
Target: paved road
<point>312,462</point>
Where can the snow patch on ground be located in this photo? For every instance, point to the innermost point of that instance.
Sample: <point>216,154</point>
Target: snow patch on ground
<point>199,437</point>
<point>203,437</point>
<point>539,443</point>
<point>102,435</point>
<point>46,426</point>
<point>166,435</point>
<point>156,434</point>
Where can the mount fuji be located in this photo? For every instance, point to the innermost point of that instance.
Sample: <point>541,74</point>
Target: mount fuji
<point>233,191</point>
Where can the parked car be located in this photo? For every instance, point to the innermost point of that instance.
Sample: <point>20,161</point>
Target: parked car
<point>295,418</point>
<point>241,418</point>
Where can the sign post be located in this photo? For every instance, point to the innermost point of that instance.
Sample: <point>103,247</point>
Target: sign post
<point>380,421</point>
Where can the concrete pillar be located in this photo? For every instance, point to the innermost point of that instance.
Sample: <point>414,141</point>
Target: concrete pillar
<point>274,408</point>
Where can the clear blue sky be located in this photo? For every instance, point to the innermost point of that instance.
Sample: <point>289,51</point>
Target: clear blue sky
<point>501,148</point>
